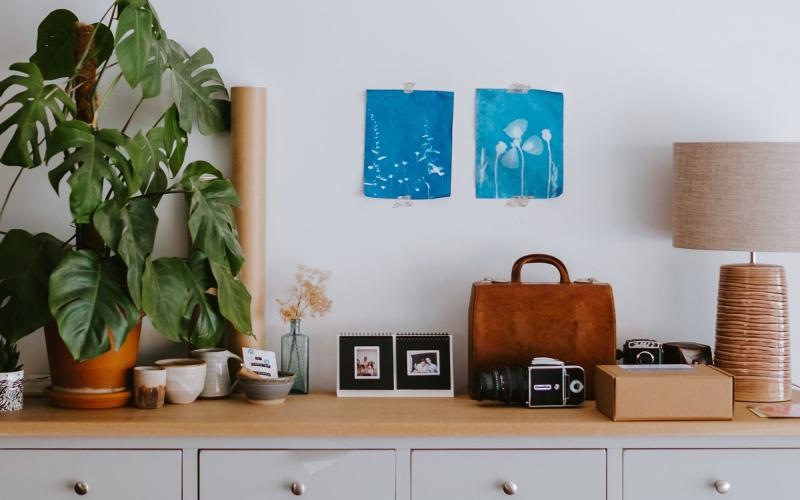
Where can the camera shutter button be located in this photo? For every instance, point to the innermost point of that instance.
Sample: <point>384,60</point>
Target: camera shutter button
<point>509,487</point>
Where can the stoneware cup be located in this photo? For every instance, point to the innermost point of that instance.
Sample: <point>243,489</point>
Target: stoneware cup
<point>11,391</point>
<point>218,379</point>
<point>149,386</point>
<point>185,379</point>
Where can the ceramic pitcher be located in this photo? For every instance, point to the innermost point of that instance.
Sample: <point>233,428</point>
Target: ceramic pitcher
<point>218,380</point>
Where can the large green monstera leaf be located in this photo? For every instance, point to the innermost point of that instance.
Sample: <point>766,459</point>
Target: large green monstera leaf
<point>26,262</point>
<point>56,45</point>
<point>190,301</point>
<point>147,155</point>
<point>178,297</point>
<point>139,44</point>
<point>91,158</point>
<point>130,231</point>
<point>144,52</point>
<point>200,93</point>
<point>40,106</point>
<point>88,299</point>
<point>211,222</point>
<point>234,299</point>
<point>160,150</point>
<point>175,140</point>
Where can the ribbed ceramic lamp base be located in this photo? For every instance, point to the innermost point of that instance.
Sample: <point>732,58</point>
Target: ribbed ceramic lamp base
<point>753,331</point>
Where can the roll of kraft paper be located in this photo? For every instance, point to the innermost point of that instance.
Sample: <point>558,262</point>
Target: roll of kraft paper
<point>249,135</point>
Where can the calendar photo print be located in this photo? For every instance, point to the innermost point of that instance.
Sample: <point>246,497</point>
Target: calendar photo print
<point>424,362</point>
<point>366,363</point>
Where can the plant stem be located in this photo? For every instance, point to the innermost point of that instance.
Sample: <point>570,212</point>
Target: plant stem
<point>105,63</point>
<point>292,350</point>
<point>75,235</point>
<point>127,123</point>
<point>551,171</point>
<point>90,44</point>
<point>110,9</point>
<point>160,193</point>
<point>160,118</point>
<point>8,193</point>
<point>107,94</point>
<point>85,54</point>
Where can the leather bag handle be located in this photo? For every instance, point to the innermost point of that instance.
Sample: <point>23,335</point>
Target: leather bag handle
<point>539,258</point>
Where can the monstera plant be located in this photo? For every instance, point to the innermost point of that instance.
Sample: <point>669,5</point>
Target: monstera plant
<point>96,285</point>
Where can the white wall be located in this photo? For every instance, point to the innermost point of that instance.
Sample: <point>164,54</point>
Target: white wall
<point>637,76</point>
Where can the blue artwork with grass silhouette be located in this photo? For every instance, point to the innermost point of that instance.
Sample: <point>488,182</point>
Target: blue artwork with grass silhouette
<point>519,144</point>
<point>408,144</point>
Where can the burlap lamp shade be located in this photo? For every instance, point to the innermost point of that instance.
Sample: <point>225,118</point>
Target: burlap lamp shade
<point>743,196</point>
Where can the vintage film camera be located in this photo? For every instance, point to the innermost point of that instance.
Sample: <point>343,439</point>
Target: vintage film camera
<point>640,352</point>
<point>545,383</point>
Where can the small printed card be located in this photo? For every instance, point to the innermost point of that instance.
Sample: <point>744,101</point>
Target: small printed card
<point>777,410</point>
<point>261,362</point>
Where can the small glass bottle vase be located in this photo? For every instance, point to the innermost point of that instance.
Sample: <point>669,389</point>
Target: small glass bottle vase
<point>294,356</point>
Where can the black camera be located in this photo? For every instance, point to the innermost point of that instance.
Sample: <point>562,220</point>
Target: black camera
<point>640,352</point>
<point>545,383</point>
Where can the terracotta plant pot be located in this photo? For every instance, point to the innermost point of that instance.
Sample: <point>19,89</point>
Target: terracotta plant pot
<point>98,379</point>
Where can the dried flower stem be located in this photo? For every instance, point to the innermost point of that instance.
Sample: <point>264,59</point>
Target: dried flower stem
<point>308,296</point>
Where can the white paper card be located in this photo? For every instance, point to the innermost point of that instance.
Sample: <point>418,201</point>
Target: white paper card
<point>261,362</point>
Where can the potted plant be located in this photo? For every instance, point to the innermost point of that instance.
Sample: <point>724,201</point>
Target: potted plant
<point>90,291</point>
<point>10,377</point>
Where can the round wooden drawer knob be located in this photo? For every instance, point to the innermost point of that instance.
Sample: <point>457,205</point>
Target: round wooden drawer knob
<point>298,488</point>
<point>509,487</point>
<point>81,488</point>
<point>722,487</point>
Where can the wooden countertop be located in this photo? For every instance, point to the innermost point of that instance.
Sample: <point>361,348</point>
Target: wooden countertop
<point>319,415</point>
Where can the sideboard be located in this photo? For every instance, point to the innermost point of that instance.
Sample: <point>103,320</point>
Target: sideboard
<point>321,447</point>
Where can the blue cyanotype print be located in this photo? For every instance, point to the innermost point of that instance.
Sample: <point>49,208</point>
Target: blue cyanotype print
<point>519,144</point>
<point>408,144</point>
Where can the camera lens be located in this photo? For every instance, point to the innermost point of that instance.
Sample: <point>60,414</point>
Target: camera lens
<point>645,358</point>
<point>487,385</point>
<point>509,385</point>
<point>576,386</point>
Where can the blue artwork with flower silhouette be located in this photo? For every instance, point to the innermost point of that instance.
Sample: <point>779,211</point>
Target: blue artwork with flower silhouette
<point>408,144</point>
<point>519,144</point>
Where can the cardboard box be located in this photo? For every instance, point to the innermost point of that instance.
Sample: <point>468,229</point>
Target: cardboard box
<point>664,392</point>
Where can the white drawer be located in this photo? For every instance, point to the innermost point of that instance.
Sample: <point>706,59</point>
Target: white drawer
<point>481,474</point>
<point>109,474</point>
<point>692,474</point>
<point>323,474</point>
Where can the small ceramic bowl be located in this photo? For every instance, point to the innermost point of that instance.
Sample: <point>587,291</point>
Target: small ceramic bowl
<point>185,379</point>
<point>267,391</point>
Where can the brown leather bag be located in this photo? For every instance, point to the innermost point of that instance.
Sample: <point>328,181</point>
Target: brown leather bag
<point>511,322</point>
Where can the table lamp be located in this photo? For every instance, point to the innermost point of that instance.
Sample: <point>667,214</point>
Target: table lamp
<point>743,196</point>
